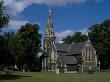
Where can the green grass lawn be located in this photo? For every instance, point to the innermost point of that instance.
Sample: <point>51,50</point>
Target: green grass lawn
<point>52,77</point>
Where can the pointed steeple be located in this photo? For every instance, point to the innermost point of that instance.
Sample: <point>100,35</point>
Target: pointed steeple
<point>49,29</point>
<point>50,11</point>
<point>50,52</point>
<point>49,19</point>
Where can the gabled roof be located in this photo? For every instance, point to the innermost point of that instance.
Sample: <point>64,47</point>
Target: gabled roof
<point>62,47</point>
<point>76,48</point>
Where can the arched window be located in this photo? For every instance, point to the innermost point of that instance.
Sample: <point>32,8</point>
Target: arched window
<point>93,55</point>
<point>86,55</point>
<point>90,55</point>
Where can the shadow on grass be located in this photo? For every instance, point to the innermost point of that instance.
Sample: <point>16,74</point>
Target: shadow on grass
<point>11,77</point>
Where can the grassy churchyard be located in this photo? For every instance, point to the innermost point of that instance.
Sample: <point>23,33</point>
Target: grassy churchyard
<point>103,76</point>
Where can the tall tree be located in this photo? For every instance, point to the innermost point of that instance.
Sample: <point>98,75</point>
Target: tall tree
<point>2,50</point>
<point>77,37</point>
<point>18,51</point>
<point>4,19</point>
<point>10,58</point>
<point>99,36</point>
<point>30,39</point>
<point>7,59</point>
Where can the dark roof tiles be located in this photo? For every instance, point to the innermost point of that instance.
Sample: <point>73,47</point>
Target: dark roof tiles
<point>75,48</point>
<point>62,47</point>
<point>69,60</point>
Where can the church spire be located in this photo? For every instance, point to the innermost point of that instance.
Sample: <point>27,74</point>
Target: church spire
<point>49,18</point>
<point>50,52</point>
<point>49,29</point>
<point>50,11</point>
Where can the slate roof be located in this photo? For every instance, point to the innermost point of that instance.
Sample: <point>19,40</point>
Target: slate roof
<point>69,60</point>
<point>75,48</point>
<point>62,47</point>
<point>66,60</point>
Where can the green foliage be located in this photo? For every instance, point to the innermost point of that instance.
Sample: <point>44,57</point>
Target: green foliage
<point>77,37</point>
<point>30,42</point>
<point>17,50</point>
<point>100,37</point>
<point>4,19</point>
<point>7,59</point>
<point>2,50</point>
<point>79,60</point>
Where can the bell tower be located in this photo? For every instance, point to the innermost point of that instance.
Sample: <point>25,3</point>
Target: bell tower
<point>50,52</point>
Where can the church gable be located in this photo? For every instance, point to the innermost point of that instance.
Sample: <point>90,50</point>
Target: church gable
<point>89,57</point>
<point>88,52</point>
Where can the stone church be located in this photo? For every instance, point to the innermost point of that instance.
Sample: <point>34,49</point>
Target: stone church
<point>63,57</point>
